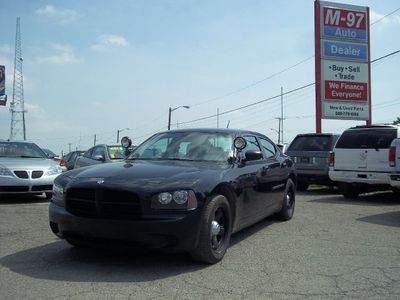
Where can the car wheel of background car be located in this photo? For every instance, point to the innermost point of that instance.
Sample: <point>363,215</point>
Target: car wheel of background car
<point>49,195</point>
<point>302,186</point>
<point>348,190</point>
<point>215,232</point>
<point>287,211</point>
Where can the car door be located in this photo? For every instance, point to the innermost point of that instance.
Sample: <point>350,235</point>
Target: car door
<point>256,198</point>
<point>274,175</point>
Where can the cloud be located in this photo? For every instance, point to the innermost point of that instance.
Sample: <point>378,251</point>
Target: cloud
<point>374,17</point>
<point>62,16</point>
<point>107,41</point>
<point>64,55</point>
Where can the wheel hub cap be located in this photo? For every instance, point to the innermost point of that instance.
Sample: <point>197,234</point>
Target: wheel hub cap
<point>215,227</point>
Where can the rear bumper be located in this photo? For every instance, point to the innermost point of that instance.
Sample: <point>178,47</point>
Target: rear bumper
<point>175,232</point>
<point>363,177</point>
<point>395,180</point>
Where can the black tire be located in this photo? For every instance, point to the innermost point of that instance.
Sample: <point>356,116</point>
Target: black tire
<point>75,243</point>
<point>49,195</point>
<point>302,186</point>
<point>348,190</point>
<point>288,201</point>
<point>215,231</point>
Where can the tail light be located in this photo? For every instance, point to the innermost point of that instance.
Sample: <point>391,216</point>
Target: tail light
<point>63,163</point>
<point>392,156</point>
<point>331,159</point>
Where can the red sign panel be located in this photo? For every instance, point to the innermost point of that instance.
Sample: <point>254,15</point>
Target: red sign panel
<point>347,91</point>
<point>344,18</point>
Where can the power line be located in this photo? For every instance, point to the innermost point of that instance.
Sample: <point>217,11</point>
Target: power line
<point>385,16</point>
<point>254,83</point>
<point>387,55</point>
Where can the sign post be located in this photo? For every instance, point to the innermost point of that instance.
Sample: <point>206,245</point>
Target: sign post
<point>342,62</point>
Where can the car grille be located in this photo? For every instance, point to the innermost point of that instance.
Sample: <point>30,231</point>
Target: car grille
<point>37,174</point>
<point>21,174</point>
<point>103,203</point>
<point>39,188</point>
<point>12,189</point>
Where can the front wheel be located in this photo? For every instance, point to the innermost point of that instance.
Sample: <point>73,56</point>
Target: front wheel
<point>287,211</point>
<point>215,231</point>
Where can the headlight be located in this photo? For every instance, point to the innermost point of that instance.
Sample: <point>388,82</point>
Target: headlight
<point>182,200</point>
<point>5,172</point>
<point>58,195</point>
<point>54,170</point>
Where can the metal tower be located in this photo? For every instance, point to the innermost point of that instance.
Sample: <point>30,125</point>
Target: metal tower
<point>18,130</point>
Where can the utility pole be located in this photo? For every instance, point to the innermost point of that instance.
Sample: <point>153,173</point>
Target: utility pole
<point>17,107</point>
<point>217,117</point>
<point>69,146</point>
<point>282,118</point>
<point>94,143</point>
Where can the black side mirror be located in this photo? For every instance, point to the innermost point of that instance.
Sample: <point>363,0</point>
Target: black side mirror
<point>253,155</point>
<point>99,157</point>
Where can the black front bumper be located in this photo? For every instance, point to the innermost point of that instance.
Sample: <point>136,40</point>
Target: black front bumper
<point>178,232</point>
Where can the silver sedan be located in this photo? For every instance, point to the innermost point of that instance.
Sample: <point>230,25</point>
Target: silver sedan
<point>26,169</point>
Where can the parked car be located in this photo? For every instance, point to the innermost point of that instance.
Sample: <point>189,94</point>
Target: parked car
<point>25,168</point>
<point>310,154</point>
<point>68,161</point>
<point>359,161</point>
<point>394,164</point>
<point>100,154</point>
<point>187,190</point>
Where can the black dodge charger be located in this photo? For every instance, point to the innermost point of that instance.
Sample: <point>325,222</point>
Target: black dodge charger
<point>186,190</point>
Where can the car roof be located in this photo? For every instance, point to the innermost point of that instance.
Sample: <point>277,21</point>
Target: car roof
<point>383,126</point>
<point>318,134</point>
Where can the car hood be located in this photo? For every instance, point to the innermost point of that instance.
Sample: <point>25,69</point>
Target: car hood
<point>151,174</point>
<point>27,163</point>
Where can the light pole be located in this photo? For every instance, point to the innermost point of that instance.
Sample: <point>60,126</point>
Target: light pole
<point>279,134</point>
<point>118,131</point>
<point>171,110</point>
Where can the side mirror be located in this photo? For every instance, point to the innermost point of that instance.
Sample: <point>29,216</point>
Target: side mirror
<point>253,155</point>
<point>99,157</point>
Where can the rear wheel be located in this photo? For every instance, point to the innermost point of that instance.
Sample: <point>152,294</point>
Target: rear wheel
<point>215,232</point>
<point>396,191</point>
<point>75,243</point>
<point>287,211</point>
<point>49,195</point>
<point>348,190</point>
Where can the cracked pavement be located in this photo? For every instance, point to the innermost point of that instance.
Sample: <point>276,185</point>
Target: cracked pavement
<point>333,248</point>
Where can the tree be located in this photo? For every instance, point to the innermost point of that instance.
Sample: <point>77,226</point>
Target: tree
<point>396,122</point>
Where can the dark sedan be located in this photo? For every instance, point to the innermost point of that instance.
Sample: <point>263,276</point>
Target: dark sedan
<point>186,190</point>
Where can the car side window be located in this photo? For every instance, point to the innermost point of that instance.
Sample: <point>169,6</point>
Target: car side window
<point>98,151</point>
<point>268,147</point>
<point>88,153</point>
<point>252,144</point>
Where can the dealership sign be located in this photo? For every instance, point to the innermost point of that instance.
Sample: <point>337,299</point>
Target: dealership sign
<point>342,62</point>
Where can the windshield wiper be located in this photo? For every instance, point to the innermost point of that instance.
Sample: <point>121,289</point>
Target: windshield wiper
<point>28,156</point>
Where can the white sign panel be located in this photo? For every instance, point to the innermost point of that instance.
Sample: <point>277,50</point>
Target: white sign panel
<point>343,110</point>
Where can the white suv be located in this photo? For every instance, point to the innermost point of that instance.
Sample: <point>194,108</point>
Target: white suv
<point>394,163</point>
<point>360,159</point>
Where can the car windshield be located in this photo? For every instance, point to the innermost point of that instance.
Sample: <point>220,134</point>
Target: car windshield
<point>49,153</point>
<point>16,149</point>
<point>201,146</point>
<point>116,152</point>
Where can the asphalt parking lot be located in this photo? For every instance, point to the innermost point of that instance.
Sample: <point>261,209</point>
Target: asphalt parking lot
<point>333,248</point>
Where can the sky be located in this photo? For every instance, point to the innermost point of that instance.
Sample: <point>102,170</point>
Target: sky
<point>97,67</point>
